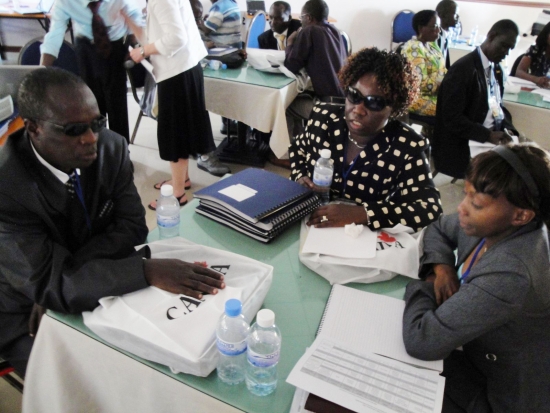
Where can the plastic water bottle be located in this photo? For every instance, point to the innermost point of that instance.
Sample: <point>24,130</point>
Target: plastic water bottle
<point>231,336</point>
<point>216,65</point>
<point>168,213</point>
<point>264,346</point>
<point>473,35</point>
<point>322,176</point>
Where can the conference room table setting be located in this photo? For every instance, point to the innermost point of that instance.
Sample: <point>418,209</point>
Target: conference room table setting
<point>74,369</point>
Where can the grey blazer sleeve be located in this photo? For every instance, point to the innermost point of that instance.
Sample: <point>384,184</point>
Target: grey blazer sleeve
<point>492,297</point>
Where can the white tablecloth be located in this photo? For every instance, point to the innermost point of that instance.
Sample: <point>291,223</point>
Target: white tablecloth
<point>59,379</point>
<point>260,107</point>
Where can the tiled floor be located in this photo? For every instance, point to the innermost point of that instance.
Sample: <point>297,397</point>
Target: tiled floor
<point>149,169</point>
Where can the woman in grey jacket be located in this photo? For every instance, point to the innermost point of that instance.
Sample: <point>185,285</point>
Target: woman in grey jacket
<point>492,297</point>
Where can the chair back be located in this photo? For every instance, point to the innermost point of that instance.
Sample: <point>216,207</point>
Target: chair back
<point>401,27</point>
<point>347,42</point>
<point>256,27</point>
<point>66,59</point>
<point>516,64</point>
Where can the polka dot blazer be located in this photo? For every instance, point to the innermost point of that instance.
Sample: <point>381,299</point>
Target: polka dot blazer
<point>391,176</point>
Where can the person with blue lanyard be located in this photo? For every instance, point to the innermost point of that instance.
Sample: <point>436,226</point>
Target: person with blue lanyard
<point>483,301</point>
<point>380,166</point>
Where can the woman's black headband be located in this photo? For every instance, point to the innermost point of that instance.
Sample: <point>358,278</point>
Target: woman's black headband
<point>513,160</point>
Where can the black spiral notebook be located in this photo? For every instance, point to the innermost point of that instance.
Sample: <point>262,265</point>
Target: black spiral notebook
<point>254,194</point>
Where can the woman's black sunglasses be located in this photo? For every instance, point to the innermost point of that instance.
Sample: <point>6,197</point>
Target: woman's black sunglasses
<point>374,103</point>
<point>77,129</point>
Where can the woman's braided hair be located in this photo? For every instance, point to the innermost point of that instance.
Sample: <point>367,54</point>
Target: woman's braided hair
<point>394,75</point>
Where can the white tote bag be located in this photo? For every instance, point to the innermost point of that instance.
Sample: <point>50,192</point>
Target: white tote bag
<point>176,330</point>
<point>397,252</point>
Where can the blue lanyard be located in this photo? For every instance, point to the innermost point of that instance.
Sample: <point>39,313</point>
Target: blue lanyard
<point>78,189</point>
<point>346,171</point>
<point>476,253</point>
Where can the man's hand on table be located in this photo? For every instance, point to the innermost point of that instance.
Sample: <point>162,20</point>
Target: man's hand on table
<point>499,138</point>
<point>181,277</point>
<point>445,281</point>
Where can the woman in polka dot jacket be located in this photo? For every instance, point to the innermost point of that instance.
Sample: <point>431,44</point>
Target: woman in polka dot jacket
<point>379,163</point>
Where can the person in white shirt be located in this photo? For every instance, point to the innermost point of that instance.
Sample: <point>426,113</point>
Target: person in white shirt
<point>175,49</point>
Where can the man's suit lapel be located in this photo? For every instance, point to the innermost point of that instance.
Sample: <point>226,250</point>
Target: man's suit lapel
<point>53,191</point>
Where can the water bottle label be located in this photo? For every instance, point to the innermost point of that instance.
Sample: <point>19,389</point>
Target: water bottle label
<point>263,360</point>
<point>168,221</point>
<point>231,349</point>
<point>322,180</point>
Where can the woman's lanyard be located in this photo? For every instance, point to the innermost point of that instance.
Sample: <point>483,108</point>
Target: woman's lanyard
<point>346,171</point>
<point>476,253</point>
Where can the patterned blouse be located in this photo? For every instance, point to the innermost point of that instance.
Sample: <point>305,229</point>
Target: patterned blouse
<point>391,176</point>
<point>540,64</point>
<point>429,63</point>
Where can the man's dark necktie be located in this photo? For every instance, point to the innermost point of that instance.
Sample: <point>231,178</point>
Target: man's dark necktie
<point>74,188</point>
<point>99,31</point>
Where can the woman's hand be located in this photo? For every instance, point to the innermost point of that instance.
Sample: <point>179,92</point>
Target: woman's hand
<point>337,215</point>
<point>305,181</point>
<point>446,282</point>
<point>136,55</point>
<point>543,82</point>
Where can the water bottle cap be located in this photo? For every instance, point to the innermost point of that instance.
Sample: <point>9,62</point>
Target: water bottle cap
<point>325,153</point>
<point>233,307</point>
<point>167,190</point>
<point>265,318</point>
<point>224,66</point>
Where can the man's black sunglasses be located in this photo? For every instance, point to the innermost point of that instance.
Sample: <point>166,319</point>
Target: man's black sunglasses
<point>77,129</point>
<point>374,103</point>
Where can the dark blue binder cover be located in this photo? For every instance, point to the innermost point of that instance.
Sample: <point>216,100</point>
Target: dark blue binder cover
<point>273,193</point>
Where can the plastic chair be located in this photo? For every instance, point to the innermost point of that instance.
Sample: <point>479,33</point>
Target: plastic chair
<point>256,27</point>
<point>30,55</point>
<point>347,41</point>
<point>8,373</point>
<point>139,77</point>
<point>401,27</point>
<point>516,64</point>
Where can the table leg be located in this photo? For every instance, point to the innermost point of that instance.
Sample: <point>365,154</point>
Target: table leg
<point>244,149</point>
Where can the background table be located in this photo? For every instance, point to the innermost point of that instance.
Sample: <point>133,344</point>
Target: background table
<point>255,98</point>
<point>41,18</point>
<point>71,369</point>
<point>530,115</point>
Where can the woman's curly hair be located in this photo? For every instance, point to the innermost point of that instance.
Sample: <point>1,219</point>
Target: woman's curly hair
<point>394,74</point>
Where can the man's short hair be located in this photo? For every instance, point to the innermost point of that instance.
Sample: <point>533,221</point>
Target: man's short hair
<point>284,5</point>
<point>317,9</point>
<point>504,27</point>
<point>32,98</point>
<point>444,7</point>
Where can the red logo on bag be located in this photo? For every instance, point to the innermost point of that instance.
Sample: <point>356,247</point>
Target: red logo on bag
<point>384,237</point>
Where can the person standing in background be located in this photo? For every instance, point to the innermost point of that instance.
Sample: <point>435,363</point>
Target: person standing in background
<point>99,29</point>
<point>447,10</point>
<point>175,49</point>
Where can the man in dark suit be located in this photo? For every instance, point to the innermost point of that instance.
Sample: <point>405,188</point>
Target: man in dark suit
<point>469,103</point>
<point>282,26</point>
<point>447,10</point>
<point>70,215</point>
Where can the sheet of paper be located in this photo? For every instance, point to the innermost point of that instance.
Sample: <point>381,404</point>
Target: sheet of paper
<point>521,82</point>
<point>238,192</point>
<point>334,241</point>
<point>365,382</point>
<point>369,322</point>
